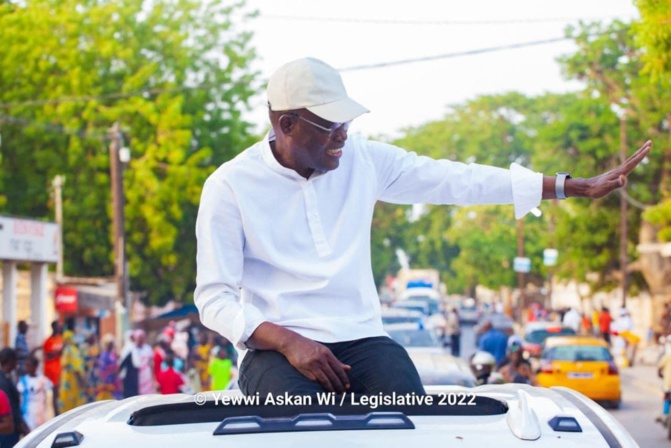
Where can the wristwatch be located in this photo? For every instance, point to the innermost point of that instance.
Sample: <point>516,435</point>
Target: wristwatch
<point>560,182</point>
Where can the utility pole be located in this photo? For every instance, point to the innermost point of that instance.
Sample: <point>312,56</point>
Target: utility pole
<point>118,219</point>
<point>57,183</point>
<point>623,210</point>
<point>520,275</point>
<point>553,245</point>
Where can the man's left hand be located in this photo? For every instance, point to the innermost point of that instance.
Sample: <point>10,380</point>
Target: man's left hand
<point>603,184</point>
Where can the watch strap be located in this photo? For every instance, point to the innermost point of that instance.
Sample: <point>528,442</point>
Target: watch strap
<point>560,184</point>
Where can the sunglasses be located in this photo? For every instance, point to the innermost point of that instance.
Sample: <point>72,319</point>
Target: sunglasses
<point>333,128</point>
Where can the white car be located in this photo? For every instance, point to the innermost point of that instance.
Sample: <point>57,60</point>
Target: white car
<point>392,316</point>
<point>504,416</point>
<point>435,365</point>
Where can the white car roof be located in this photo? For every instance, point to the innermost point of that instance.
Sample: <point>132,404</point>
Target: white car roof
<point>516,415</point>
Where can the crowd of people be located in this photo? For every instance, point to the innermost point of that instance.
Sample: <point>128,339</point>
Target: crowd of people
<point>511,367</point>
<point>615,330</point>
<point>76,369</point>
<point>499,358</point>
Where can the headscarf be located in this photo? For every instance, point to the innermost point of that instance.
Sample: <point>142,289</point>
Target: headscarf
<point>128,345</point>
<point>68,337</point>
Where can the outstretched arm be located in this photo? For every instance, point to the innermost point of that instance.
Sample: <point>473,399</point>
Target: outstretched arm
<point>601,185</point>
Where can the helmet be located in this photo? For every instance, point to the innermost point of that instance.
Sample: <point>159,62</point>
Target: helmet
<point>482,364</point>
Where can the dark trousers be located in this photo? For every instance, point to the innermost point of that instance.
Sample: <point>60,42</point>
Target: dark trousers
<point>379,365</point>
<point>455,344</point>
<point>9,440</point>
<point>606,336</point>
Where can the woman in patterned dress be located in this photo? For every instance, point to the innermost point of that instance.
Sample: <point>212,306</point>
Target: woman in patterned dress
<point>108,373</point>
<point>73,375</point>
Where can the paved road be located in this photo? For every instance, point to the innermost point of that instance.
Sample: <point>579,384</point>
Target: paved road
<point>641,403</point>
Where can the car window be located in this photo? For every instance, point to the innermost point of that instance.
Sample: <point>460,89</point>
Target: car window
<point>539,336</point>
<point>578,353</point>
<point>400,319</point>
<point>433,304</point>
<point>414,338</point>
<point>413,307</point>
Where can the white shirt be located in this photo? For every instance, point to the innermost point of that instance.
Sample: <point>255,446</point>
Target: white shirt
<point>572,319</point>
<point>33,393</point>
<point>276,247</point>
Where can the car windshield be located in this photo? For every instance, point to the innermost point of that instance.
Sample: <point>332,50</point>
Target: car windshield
<point>539,336</point>
<point>433,304</point>
<point>414,338</point>
<point>579,353</point>
<point>401,319</point>
<point>412,307</point>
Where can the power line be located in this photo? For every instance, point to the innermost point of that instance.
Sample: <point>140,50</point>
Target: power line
<point>58,129</point>
<point>116,95</point>
<point>352,68</point>
<point>434,22</point>
<point>454,55</point>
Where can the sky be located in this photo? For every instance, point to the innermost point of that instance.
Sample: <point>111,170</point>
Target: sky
<point>350,33</point>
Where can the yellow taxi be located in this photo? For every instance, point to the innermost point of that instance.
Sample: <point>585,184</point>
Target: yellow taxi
<point>581,363</point>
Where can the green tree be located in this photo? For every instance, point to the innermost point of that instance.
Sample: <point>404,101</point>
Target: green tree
<point>609,62</point>
<point>654,33</point>
<point>175,76</point>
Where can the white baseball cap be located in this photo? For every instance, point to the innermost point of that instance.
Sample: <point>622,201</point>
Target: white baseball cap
<point>311,84</point>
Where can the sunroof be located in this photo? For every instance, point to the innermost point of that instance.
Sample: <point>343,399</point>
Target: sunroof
<point>455,404</point>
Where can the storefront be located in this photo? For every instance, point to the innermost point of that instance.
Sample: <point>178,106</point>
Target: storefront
<point>87,309</point>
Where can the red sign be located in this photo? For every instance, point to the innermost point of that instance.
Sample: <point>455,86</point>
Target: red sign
<point>66,299</point>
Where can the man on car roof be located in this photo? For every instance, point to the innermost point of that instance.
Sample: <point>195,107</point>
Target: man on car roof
<point>284,263</point>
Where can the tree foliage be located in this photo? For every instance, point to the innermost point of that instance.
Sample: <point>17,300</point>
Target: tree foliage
<point>577,132</point>
<point>654,34</point>
<point>174,74</point>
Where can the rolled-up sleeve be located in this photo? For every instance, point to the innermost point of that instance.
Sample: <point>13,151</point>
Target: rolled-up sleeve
<point>406,178</point>
<point>220,260</point>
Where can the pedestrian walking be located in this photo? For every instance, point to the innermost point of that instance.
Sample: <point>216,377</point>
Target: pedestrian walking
<point>169,380</point>
<point>493,341</point>
<point>8,362</point>
<point>6,417</point>
<point>21,346</point>
<point>143,360</point>
<point>453,331</point>
<point>128,372</point>
<point>108,374</point>
<point>72,390</point>
<point>33,388</point>
<point>220,369</point>
<point>605,320</point>
<point>53,349</point>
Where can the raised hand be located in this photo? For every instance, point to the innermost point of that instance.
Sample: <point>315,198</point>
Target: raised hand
<point>603,184</point>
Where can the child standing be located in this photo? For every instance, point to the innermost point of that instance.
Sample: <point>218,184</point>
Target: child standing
<point>169,380</point>
<point>523,373</point>
<point>33,389</point>
<point>220,369</point>
<point>192,375</point>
